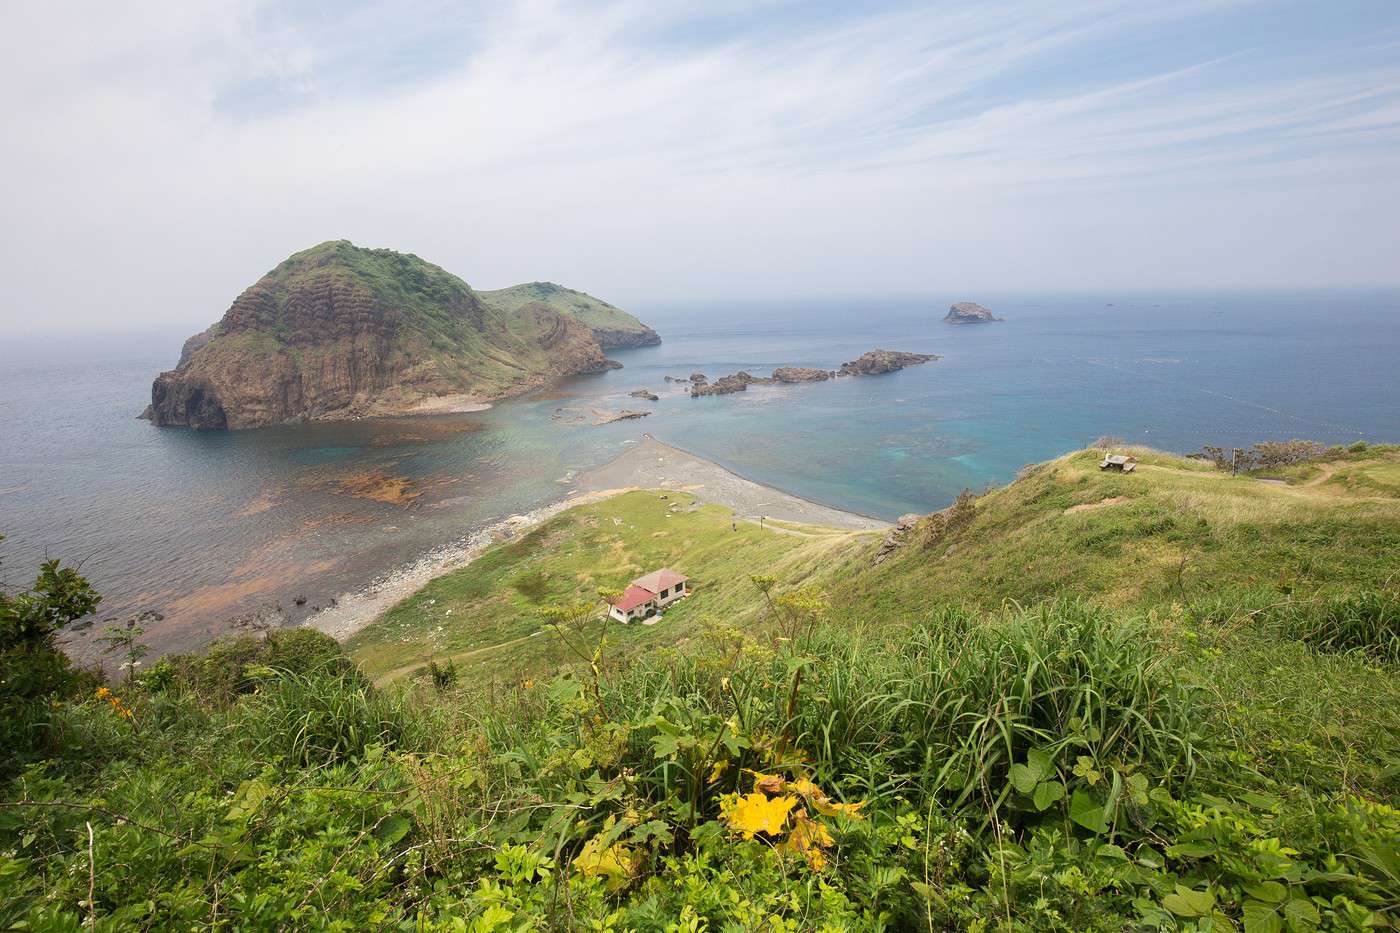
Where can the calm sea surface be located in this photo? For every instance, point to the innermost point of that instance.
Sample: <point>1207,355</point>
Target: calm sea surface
<point>205,526</point>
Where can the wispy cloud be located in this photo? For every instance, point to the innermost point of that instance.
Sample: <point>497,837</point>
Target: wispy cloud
<point>641,149</point>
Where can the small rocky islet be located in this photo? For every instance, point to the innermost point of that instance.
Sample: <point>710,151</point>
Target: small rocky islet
<point>969,312</point>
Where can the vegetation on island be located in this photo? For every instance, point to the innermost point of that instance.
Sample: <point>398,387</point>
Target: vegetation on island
<point>612,326</point>
<point>1164,700</point>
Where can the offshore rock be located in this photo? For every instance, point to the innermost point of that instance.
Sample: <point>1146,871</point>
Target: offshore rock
<point>969,312</point>
<point>878,362</point>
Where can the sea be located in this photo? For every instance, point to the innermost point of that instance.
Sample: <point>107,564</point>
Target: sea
<point>205,527</point>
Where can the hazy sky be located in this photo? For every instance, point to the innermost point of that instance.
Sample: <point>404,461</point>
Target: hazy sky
<point>160,155</point>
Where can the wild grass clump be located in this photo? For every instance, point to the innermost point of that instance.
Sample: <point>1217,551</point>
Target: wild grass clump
<point>969,697</point>
<point>1367,622</point>
<point>312,720</point>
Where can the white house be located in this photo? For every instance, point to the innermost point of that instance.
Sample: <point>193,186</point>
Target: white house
<point>647,594</point>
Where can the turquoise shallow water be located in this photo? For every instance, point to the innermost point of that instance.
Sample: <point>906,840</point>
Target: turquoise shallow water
<point>206,526</point>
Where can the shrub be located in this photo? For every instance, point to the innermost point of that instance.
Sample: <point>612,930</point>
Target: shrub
<point>228,667</point>
<point>33,671</point>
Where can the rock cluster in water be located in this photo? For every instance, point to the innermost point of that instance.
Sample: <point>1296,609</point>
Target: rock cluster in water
<point>873,363</point>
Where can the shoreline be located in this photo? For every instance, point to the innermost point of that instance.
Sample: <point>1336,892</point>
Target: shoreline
<point>357,609</point>
<point>648,464</point>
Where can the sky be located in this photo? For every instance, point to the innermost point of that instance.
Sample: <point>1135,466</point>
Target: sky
<point>160,156</point>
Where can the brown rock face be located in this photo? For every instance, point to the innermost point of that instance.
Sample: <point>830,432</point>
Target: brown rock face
<point>801,374</point>
<point>725,385</point>
<point>339,332</point>
<point>610,339</point>
<point>877,362</point>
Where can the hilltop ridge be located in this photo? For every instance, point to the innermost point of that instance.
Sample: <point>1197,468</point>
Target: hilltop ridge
<point>613,328</point>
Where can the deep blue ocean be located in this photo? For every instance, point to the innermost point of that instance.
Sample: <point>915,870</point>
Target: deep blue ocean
<point>204,526</point>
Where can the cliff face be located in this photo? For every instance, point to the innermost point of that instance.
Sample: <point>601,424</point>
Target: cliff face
<point>340,332</point>
<point>613,328</point>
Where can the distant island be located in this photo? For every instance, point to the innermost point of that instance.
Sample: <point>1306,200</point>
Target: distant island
<point>338,332</point>
<point>969,312</point>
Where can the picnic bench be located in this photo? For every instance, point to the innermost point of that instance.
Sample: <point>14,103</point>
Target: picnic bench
<point>1119,462</point>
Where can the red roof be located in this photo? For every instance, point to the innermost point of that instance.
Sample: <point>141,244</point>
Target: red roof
<point>632,597</point>
<point>659,580</point>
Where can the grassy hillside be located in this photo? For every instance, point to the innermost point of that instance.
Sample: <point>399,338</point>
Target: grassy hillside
<point>611,325</point>
<point>1176,529</point>
<point>1086,701</point>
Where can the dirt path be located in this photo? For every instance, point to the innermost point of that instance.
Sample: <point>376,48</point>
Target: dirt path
<point>396,673</point>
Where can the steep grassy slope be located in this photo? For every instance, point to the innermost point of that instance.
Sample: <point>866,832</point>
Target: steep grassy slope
<point>611,326</point>
<point>1174,530</point>
<point>338,331</point>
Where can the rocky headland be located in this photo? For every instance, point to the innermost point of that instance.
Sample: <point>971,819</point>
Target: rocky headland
<point>338,332</point>
<point>969,312</point>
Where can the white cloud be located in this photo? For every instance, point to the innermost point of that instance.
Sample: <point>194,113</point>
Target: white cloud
<point>156,162</point>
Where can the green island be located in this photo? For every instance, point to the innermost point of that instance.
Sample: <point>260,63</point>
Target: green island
<point>339,332</point>
<point>1093,699</point>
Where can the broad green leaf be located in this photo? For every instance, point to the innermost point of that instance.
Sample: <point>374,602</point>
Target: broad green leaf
<point>1301,913</point>
<point>1185,902</point>
<point>392,830</point>
<point>1040,764</point>
<point>1046,793</point>
<point>1087,811</point>
<point>1149,857</point>
<point>1023,778</point>
<point>1261,918</point>
<point>1270,891</point>
<point>1191,850</point>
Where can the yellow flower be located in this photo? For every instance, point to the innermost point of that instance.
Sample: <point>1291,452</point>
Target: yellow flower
<point>103,693</point>
<point>718,769</point>
<point>756,813</point>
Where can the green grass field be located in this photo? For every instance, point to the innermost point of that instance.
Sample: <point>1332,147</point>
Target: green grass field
<point>483,615</point>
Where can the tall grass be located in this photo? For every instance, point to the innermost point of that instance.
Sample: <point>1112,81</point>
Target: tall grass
<point>1367,622</point>
<point>318,719</point>
<point>946,709</point>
